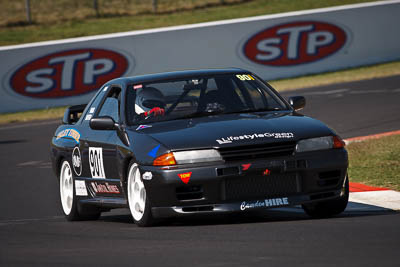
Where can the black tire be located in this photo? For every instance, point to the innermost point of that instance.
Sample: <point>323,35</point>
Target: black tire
<point>329,208</point>
<point>72,210</point>
<point>136,195</point>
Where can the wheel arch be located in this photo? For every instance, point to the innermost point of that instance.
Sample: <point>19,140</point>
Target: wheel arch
<point>58,162</point>
<point>125,170</point>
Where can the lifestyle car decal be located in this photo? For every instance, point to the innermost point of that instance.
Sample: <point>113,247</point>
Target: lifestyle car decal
<point>230,139</point>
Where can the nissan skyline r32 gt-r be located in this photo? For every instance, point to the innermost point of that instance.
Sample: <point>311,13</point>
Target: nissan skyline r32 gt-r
<point>196,142</point>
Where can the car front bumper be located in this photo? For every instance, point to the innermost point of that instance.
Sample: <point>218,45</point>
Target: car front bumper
<point>246,185</point>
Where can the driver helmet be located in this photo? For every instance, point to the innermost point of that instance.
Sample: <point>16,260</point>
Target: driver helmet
<point>148,98</point>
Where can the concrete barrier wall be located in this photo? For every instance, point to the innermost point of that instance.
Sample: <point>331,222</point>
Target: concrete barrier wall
<point>68,72</point>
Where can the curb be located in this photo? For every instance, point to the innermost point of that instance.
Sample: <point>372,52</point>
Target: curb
<point>369,195</point>
<point>374,196</point>
<point>368,137</point>
<point>357,187</point>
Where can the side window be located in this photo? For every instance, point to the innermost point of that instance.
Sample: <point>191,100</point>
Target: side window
<point>92,105</point>
<point>111,105</point>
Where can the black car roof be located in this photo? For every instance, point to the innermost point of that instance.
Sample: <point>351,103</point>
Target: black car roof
<point>176,74</point>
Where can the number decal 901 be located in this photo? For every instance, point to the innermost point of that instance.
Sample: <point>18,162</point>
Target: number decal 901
<point>96,162</point>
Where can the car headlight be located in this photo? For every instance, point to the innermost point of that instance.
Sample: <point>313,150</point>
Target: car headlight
<point>319,143</point>
<point>185,157</point>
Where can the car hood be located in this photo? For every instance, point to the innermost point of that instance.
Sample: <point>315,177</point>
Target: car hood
<point>233,130</point>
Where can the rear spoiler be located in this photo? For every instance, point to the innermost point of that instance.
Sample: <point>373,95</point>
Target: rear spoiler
<point>73,113</point>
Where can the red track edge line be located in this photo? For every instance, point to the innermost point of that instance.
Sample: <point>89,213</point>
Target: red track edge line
<point>372,136</point>
<point>357,187</point>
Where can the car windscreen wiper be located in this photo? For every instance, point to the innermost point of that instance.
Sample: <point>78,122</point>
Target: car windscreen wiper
<point>253,110</point>
<point>199,114</point>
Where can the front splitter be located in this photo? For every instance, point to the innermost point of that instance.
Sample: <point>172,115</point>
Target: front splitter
<point>243,206</point>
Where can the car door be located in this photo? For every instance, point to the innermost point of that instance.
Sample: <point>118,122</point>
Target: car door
<point>99,146</point>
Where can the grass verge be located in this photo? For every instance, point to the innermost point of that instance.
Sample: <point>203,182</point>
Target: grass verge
<point>33,115</point>
<point>362,73</point>
<point>376,162</point>
<point>49,28</point>
<point>348,75</point>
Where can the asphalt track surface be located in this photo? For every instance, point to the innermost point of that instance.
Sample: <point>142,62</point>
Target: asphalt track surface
<point>34,232</point>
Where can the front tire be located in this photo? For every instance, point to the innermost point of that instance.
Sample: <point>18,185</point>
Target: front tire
<point>71,208</point>
<point>138,200</point>
<point>329,208</point>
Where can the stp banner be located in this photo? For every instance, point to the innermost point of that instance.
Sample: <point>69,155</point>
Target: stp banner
<point>69,72</point>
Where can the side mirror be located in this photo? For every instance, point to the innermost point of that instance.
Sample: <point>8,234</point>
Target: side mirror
<point>102,123</point>
<point>297,102</point>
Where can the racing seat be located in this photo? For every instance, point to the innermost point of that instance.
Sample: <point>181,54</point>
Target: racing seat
<point>210,97</point>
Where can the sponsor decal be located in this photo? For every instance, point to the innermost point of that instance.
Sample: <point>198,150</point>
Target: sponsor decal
<point>266,172</point>
<point>88,117</point>
<point>69,133</point>
<point>77,161</point>
<point>138,86</point>
<point>230,139</point>
<point>185,177</point>
<point>245,77</point>
<point>153,152</point>
<point>105,89</point>
<point>80,188</point>
<point>96,162</point>
<point>92,110</point>
<point>272,202</point>
<point>105,188</point>
<point>68,73</point>
<point>143,127</point>
<point>295,43</point>
<point>147,176</point>
<point>245,167</point>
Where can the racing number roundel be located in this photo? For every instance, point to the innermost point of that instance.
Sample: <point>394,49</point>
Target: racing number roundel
<point>77,161</point>
<point>96,162</point>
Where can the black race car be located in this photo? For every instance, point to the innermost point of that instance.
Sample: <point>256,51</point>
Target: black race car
<point>196,142</point>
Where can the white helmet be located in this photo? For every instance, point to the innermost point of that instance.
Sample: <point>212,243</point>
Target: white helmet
<point>148,98</point>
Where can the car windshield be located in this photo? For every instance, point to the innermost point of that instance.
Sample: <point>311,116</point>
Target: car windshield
<point>199,96</point>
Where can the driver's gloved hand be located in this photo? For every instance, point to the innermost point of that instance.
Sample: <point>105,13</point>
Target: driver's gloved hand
<point>155,112</point>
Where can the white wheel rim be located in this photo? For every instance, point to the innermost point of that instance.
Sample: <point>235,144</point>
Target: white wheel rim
<point>136,193</point>
<point>66,187</point>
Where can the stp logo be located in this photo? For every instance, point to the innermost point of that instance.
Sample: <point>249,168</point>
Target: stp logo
<point>68,73</point>
<point>295,43</point>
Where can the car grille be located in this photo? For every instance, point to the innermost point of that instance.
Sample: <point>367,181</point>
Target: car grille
<point>257,151</point>
<point>256,186</point>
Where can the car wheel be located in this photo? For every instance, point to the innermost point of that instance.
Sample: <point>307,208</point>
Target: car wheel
<point>138,201</point>
<point>331,207</point>
<point>71,208</point>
